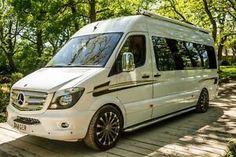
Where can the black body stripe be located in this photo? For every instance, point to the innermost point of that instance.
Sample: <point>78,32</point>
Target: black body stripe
<point>206,79</point>
<point>118,88</point>
<point>102,85</point>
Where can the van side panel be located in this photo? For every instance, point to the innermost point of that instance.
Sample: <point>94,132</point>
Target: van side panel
<point>175,90</point>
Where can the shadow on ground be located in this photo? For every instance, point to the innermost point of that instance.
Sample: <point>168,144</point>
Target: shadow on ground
<point>189,133</point>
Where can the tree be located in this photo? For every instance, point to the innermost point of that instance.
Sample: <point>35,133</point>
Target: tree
<point>218,16</point>
<point>32,31</point>
<point>9,31</point>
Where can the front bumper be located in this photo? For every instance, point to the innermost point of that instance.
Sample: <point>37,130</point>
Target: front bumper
<point>50,123</point>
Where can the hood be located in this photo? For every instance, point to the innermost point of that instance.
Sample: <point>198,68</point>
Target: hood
<point>48,79</point>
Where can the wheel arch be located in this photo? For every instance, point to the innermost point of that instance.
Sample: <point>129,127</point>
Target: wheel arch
<point>97,105</point>
<point>211,88</point>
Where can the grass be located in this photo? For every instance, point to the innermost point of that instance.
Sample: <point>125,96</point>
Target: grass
<point>232,149</point>
<point>228,72</point>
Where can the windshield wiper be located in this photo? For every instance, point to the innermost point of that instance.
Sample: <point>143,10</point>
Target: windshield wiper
<point>85,66</point>
<point>62,66</point>
<point>56,66</point>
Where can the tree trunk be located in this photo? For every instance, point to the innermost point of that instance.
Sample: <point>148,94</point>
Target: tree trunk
<point>221,46</point>
<point>226,53</point>
<point>212,20</point>
<point>234,51</point>
<point>92,10</point>
<point>220,50</point>
<point>9,52</point>
<point>11,62</point>
<point>39,42</point>
<point>74,13</point>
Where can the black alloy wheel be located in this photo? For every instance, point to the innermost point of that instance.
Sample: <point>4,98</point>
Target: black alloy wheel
<point>203,101</point>
<point>105,128</point>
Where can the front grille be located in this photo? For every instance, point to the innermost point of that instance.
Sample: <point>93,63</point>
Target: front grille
<point>32,101</point>
<point>28,121</point>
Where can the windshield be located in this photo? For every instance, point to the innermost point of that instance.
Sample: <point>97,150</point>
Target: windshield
<point>89,50</point>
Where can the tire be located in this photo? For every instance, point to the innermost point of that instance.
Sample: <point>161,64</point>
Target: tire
<point>203,101</point>
<point>105,128</point>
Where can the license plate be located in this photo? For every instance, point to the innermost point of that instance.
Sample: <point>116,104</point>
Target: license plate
<point>19,126</point>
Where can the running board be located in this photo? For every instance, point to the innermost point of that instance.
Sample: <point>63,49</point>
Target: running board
<point>149,122</point>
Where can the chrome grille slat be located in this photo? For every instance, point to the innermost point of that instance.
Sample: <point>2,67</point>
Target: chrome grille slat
<point>34,101</point>
<point>28,108</point>
<point>36,96</point>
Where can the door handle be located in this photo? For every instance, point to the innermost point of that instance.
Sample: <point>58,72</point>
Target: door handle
<point>157,75</point>
<point>145,76</point>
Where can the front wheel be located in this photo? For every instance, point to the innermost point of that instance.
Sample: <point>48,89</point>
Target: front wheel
<point>104,129</point>
<point>203,101</point>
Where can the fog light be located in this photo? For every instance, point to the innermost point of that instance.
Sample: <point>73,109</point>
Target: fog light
<point>64,125</point>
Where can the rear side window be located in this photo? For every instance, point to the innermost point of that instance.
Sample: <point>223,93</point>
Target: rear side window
<point>195,53</point>
<point>211,57</point>
<point>171,54</point>
<point>163,55</point>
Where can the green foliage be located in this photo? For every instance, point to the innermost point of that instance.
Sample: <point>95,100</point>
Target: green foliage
<point>225,63</point>
<point>227,72</point>
<point>6,81</point>
<point>232,149</point>
<point>32,31</point>
<point>216,16</point>
<point>15,77</point>
<point>4,97</point>
<point>4,100</point>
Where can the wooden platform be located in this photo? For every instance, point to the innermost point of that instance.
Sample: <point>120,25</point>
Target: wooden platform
<point>191,134</point>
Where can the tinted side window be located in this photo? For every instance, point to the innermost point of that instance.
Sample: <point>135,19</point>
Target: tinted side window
<point>202,53</point>
<point>177,53</point>
<point>135,44</point>
<point>211,57</point>
<point>171,54</point>
<point>164,58</point>
<point>191,56</point>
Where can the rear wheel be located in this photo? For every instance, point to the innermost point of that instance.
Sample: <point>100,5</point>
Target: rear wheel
<point>104,129</point>
<point>203,101</point>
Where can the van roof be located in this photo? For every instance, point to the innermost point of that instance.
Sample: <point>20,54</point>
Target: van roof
<point>120,24</point>
<point>163,18</point>
<point>152,23</point>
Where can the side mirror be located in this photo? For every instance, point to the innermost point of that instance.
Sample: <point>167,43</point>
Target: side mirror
<point>128,62</point>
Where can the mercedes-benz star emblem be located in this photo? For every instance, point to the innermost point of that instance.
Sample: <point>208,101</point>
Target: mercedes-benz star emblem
<point>21,98</point>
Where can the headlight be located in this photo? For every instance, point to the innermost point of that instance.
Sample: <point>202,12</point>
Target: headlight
<point>66,98</point>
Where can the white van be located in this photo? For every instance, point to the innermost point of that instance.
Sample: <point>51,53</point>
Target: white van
<point>117,75</point>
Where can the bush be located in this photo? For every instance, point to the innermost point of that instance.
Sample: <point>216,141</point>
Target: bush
<point>4,79</point>
<point>225,63</point>
<point>4,100</point>
<point>232,149</point>
<point>5,84</point>
<point>227,73</point>
<point>15,77</point>
<point>4,97</point>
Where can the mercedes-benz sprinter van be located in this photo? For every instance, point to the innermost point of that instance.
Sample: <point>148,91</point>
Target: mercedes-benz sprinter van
<point>117,75</point>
